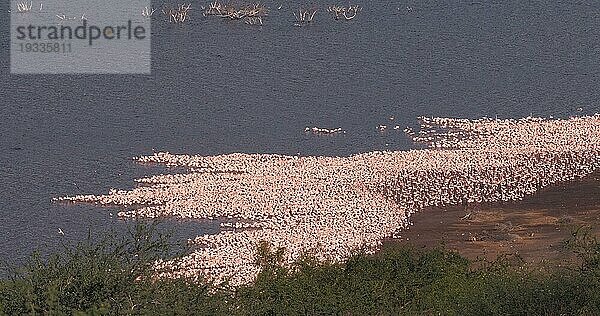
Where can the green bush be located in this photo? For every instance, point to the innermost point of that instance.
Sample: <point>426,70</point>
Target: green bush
<point>115,276</point>
<point>111,276</point>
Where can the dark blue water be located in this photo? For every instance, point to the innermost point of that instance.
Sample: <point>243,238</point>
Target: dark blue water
<point>219,87</point>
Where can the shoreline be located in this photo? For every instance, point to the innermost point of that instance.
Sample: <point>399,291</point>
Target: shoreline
<point>333,206</point>
<point>535,228</point>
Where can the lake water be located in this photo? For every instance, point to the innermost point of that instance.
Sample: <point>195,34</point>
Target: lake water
<point>219,86</point>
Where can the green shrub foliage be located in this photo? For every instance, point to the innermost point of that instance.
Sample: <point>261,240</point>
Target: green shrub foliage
<point>115,276</point>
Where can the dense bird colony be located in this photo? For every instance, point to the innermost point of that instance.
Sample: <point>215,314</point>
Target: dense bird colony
<point>333,206</point>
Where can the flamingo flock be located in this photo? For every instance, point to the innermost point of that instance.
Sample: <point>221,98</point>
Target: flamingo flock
<point>332,207</point>
<point>323,131</point>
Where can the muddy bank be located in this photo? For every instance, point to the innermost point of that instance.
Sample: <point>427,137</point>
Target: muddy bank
<point>534,228</point>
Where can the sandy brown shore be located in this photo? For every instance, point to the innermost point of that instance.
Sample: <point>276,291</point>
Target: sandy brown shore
<point>535,228</point>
